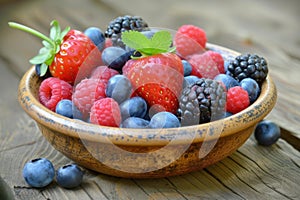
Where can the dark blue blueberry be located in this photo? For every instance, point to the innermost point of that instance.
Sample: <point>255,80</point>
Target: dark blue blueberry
<point>189,80</point>
<point>97,36</point>
<point>164,120</point>
<point>115,57</point>
<point>187,68</point>
<point>69,176</point>
<point>133,107</point>
<point>119,88</point>
<point>65,108</point>
<point>252,87</point>
<point>134,122</point>
<point>267,133</point>
<point>227,80</point>
<point>38,172</point>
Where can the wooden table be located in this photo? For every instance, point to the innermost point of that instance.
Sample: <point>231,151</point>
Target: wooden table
<point>269,28</point>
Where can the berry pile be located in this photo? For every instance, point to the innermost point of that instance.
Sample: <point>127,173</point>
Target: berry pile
<point>132,76</point>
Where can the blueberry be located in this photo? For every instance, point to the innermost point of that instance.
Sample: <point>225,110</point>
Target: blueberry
<point>65,108</point>
<point>187,68</point>
<point>119,88</point>
<point>164,120</point>
<point>115,57</point>
<point>38,172</point>
<point>97,36</point>
<point>266,132</point>
<point>69,176</point>
<point>227,80</point>
<point>189,80</point>
<point>252,87</point>
<point>133,107</point>
<point>134,122</point>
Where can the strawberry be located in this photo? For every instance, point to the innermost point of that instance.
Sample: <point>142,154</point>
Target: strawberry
<point>158,75</point>
<point>64,52</point>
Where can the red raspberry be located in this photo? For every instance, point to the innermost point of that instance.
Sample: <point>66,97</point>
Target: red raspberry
<point>104,73</point>
<point>106,112</point>
<point>189,39</point>
<point>87,92</point>
<point>237,99</point>
<point>52,90</point>
<point>207,65</point>
<point>218,59</point>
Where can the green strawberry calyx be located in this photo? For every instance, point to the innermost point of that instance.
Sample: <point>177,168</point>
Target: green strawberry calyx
<point>51,44</point>
<point>160,42</point>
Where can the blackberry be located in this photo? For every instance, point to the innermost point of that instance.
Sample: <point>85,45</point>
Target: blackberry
<point>202,102</point>
<point>248,66</point>
<point>124,23</point>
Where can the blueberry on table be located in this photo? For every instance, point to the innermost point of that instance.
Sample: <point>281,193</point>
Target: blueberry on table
<point>164,120</point>
<point>97,36</point>
<point>267,133</point>
<point>69,176</point>
<point>133,107</point>
<point>119,88</point>
<point>38,172</point>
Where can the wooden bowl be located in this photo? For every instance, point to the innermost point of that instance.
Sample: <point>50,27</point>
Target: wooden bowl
<point>145,153</point>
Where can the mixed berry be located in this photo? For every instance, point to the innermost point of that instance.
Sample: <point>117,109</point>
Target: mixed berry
<point>133,76</point>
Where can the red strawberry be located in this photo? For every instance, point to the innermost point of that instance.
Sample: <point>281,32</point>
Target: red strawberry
<point>65,52</point>
<point>106,112</point>
<point>77,51</point>
<point>157,79</point>
<point>52,90</point>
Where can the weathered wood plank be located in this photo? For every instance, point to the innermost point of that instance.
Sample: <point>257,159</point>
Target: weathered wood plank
<point>251,172</point>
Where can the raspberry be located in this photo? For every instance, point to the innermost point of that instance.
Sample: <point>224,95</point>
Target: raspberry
<point>106,112</point>
<point>218,59</point>
<point>206,65</point>
<point>237,99</point>
<point>189,39</point>
<point>86,93</point>
<point>52,90</point>
<point>104,73</point>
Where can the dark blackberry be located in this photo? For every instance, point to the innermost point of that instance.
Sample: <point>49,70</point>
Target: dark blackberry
<point>202,102</point>
<point>124,23</point>
<point>248,66</point>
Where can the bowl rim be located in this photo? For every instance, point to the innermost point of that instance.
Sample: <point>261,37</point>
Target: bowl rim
<point>146,137</point>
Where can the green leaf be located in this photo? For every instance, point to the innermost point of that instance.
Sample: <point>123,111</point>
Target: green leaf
<point>43,56</point>
<point>55,30</point>
<point>47,44</point>
<point>161,40</point>
<point>159,43</point>
<point>135,40</point>
<point>64,33</point>
<point>43,69</point>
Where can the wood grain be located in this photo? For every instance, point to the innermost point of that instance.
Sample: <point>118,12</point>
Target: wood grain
<point>252,172</point>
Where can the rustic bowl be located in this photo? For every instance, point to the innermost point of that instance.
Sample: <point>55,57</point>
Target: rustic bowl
<point>145,153</point>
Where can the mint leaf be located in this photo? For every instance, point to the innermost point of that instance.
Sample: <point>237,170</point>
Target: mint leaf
<point>43,69</point>
<point>135,40</point>
<point>161,40</point>
<point>159,43</point>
